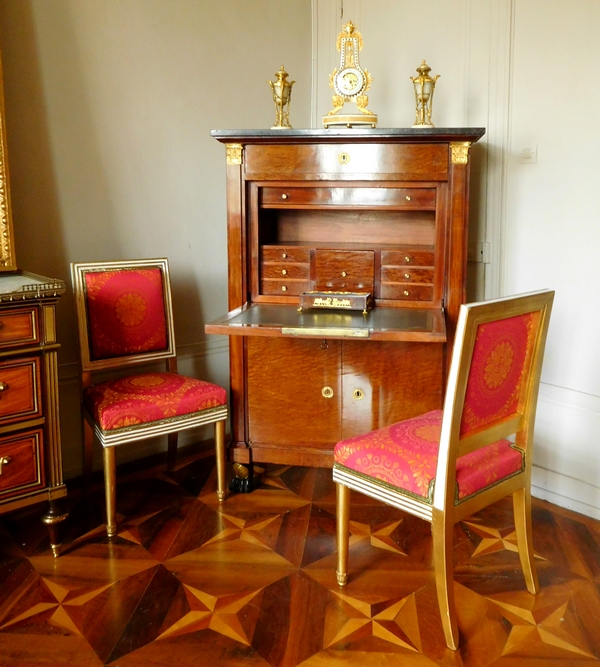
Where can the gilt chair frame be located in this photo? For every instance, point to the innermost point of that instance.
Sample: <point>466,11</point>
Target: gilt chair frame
<point>444,512</point>
<point>109,439</point>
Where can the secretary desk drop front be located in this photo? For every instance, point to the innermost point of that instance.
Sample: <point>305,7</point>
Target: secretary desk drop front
<point>363,211</point>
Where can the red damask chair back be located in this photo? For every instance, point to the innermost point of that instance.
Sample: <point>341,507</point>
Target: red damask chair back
<point>499,369</point>
<point>125,313</point>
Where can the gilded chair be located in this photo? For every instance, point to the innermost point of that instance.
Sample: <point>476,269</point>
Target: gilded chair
<point>125,319</point>
<point>448,464</point>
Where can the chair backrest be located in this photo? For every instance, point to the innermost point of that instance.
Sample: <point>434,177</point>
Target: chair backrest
<point>124,312</point>
<point>494,379</point>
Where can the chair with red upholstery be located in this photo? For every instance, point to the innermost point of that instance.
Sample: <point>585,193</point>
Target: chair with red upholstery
<point>445,465</point>
<point>124,316</point>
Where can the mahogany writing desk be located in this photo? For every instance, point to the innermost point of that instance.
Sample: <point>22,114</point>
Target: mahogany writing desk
<point>378,211</point>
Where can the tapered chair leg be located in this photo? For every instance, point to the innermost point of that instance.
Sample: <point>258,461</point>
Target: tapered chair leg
<point>343,532</point>
<point>171,451</point>
<point>523,529</point>
<point>110,490</point>
<point>220,456</point>
<point>442,534</point>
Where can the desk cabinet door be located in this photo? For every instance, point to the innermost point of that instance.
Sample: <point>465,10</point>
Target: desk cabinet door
<point>386,382</point>
<point>293,391</point>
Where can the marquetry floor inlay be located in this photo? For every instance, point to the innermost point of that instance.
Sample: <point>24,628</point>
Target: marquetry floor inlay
<point>189,581</point>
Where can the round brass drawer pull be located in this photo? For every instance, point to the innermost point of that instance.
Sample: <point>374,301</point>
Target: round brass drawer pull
<point>3,461</point>
<point>284,255</point>
<point>327,392</point>
<point>408,197</point>
<point>344,274</point>
<point>283,288</point>
<point>284,196</point>
<point>3,386</point>
<point>407,276</point>
<point>358,394</point>
<point>407,259</point>
<point>406,292</point>
<point>284,271</point>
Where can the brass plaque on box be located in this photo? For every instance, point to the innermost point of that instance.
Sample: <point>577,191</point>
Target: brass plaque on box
<point>337,300</point>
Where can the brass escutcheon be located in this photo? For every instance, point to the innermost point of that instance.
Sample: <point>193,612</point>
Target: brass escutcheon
<point>343,158</point>
<point>327,392</point>
<point>358,394</point>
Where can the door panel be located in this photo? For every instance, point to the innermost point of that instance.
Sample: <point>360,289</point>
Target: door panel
<point>286,378</point>
<point>385,382</point>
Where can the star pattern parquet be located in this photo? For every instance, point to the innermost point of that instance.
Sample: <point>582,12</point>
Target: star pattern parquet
<point>189,581</point>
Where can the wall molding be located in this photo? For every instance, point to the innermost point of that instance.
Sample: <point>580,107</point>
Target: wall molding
<point>569,417</point>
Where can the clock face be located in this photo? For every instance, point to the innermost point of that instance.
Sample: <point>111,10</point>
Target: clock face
<point>349,82</point>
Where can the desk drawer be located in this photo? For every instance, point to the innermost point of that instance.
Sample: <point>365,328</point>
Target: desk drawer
<point>282,287</point>
<point>406,292</point>
<point>408,257</point>
<point>21,468</point>
<point>18,327</point>
<point>339,161</point>
<point>20,390</point>
<point>282,253</point>
<point>346,270</point>
<point>283,271</point>
<point>407,274</point>
<point>409,198</point>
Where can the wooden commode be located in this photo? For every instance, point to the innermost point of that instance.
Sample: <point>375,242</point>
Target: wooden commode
<point>30,454</point>
<point>379,212</point>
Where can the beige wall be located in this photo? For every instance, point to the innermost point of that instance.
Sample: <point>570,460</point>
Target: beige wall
<point>109,104</point>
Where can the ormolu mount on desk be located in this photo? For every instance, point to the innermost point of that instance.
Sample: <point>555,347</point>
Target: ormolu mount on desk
<point>337,300</point>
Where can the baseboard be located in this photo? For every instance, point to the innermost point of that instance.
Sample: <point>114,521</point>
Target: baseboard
<point>566,455</point>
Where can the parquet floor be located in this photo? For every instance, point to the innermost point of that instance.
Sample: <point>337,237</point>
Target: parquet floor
<point>252,583</point>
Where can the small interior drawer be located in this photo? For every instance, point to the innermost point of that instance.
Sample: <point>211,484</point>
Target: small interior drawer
<point>280,253</point>
<point>282,287</point>
<point>283,271</point>
<point>21,469</point>
<point>406,274</point>
<point>346,270</point>
<point>406,292</point>
<point>408,257</point>
<point>20,390</point>
<point>369,197</point>
<point>19,327</point>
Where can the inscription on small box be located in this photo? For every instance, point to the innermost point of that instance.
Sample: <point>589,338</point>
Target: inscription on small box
<point>337,300</point>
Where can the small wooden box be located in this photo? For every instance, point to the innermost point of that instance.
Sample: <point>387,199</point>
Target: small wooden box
<point>337,300</point>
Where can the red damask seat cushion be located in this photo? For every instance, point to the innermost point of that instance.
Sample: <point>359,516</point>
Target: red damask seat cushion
<point>140,399</point>
<point>404,455</point>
